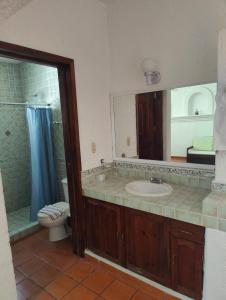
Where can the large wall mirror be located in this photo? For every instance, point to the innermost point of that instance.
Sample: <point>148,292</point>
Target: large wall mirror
<point>174,125</point>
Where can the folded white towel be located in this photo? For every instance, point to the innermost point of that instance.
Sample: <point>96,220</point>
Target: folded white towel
<point>52,211</point>
<point>49,214</point>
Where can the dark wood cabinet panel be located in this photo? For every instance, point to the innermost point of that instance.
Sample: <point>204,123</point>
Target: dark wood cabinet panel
<point>147,245</point>
<point>187,259</point>
<point>104,229</point>
<point>188,231</point>
<point>167,251</point>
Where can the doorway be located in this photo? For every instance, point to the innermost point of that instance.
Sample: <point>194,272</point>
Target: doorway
<point>67,91</point>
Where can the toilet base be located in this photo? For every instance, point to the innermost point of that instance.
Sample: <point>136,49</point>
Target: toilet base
<point>57,233</point>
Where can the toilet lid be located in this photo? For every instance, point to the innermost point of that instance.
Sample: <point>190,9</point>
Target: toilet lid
<point>63,206</point>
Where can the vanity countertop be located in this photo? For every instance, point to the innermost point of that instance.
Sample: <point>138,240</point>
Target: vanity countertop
<point>184,203</point>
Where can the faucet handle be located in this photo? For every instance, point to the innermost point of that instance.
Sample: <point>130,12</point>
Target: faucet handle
<point>156,180</point>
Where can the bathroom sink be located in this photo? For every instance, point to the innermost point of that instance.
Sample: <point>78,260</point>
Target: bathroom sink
<point>146,188</point>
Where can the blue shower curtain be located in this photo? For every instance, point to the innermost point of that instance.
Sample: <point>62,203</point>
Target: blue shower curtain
<point>43,172</point>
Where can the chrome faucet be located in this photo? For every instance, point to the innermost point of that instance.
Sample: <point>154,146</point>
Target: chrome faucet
<point>157,180</point>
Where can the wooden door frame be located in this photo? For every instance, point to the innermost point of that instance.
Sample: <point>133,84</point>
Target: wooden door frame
<point>67,86</point>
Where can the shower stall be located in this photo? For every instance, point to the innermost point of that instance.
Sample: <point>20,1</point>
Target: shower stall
<point>26,85</point>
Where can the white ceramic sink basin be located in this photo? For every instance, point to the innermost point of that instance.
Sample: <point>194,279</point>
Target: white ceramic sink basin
<point>146,188</point>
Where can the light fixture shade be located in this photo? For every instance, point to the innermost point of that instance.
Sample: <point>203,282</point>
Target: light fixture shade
<point>148,65</point>
<point>151,73</point>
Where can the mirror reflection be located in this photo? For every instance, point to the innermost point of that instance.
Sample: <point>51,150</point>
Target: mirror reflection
<point>173,125</point>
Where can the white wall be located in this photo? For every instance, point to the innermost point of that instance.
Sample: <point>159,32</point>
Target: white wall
<point>221,155</point>
<point>182,100</point>
<point>7,279</point>
<point>125,125</point>
<point>180,35</point>
<point>75,29</point>
<point>215,265</point>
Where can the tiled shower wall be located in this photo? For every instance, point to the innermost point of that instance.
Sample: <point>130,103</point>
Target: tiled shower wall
<point>10,82</point>
<point>19,83</point>
<point>14,149</point>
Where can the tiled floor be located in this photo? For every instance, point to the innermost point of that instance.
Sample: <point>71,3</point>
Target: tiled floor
<point>19,221</point>
<point>46,271</point>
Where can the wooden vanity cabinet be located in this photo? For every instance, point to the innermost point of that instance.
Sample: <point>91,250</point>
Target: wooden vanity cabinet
<point>147,238</point>
<point>105,229</point>
<point>165,250</point>
<point>187,250</point>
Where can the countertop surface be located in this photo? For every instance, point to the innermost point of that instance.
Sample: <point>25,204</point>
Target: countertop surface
<point>184,203</point>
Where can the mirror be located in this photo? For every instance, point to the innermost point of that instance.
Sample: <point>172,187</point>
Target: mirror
<point>174,125</point>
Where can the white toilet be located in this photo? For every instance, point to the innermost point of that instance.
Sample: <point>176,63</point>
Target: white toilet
<point>57,228</point>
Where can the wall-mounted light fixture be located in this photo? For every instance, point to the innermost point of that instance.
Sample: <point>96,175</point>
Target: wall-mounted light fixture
<point>151,73</point>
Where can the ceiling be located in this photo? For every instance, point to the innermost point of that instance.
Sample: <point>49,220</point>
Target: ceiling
<point>10,7</point>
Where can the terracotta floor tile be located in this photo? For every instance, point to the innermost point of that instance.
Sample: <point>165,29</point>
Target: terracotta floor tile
<point>43,262</point>
<point>92,260</point>
<point>152,291</point>
<point>80,293</point>
<point>31,266</point>
<point>141,296</point>
<point>32,242</point>
<point>98,281</point>
<point>17,247</point>
<point>80,270</point>
<point>128,279</point>
<point>65,245</point>
<point>61,286</point>
<point>45,275</point>
<point>18,276</point>
<point>27,288</point>
<point>109,268</point>
<point>118,291</point>
<point>58,256</point>
<point>41,296</point>
<point>43,234</point>
<point>22,257</point>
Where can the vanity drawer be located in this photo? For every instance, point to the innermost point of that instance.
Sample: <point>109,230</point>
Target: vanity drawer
<point>188,231</point>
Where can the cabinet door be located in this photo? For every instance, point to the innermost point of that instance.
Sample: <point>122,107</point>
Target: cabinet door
<point>104,229</point>
<point>187,267</point>
<point>147,244</point>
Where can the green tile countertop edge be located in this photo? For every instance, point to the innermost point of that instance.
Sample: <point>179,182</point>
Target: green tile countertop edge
<point>189,204</point>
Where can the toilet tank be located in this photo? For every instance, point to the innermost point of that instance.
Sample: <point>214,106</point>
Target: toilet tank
<point>65,187</point>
